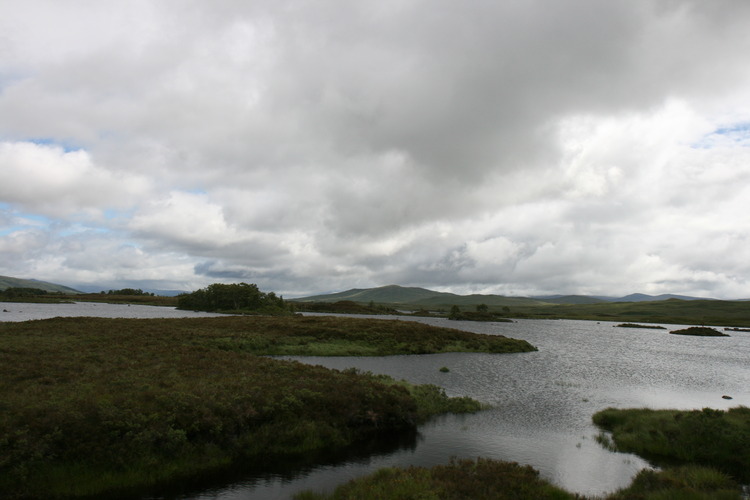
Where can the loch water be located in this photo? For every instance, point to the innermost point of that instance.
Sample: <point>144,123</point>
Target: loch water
<point>541,402</point>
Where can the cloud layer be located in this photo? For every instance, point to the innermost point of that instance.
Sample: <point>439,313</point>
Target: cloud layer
<point>509,147</point>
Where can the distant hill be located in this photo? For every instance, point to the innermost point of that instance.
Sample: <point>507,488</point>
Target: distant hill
<point>570,299</point>
<point>390,294</point>
<point>8,282</point>
<point>418,297</point>
<point>395,295</point>
<point>642,297</point>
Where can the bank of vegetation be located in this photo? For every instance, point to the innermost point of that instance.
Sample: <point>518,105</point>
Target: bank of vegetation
<point>480,479</point>
<point>699,331</point>
<point>24,294</point>
<point>480,313</point>
<point>704,455</point>
<point>636,325</point>
<point>342,307</point>
<point>95,406</point>
<point>671,311</point>
<point>707,437</point>
<point>485,479</point>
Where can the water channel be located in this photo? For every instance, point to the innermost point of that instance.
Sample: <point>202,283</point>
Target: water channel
<point>542,402</point>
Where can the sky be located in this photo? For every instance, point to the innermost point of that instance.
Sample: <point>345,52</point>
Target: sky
<point>513,147</point>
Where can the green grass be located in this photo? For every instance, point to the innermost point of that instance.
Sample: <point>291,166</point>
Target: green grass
<point>699,331</point>
<point>91,405</point>
<point>713,438</point>
<point>480,479</point>
<point>347,336</point>
<point>688,482</point>
<point>672,311</point>
<point>486,479</point>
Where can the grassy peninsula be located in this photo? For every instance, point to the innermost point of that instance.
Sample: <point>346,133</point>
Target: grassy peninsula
<point>96,405</point>
<point>482,479</point>
<point>486,479</point>
<point>707,437</point>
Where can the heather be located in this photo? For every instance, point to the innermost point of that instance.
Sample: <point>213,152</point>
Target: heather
<point>92,405</point>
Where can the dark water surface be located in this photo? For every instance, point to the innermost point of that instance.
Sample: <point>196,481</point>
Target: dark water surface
<point>542,402</point>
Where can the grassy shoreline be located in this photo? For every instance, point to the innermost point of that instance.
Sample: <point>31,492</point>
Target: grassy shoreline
<point>706,437</point>
<point>704,454</point>
<point>94,405</point>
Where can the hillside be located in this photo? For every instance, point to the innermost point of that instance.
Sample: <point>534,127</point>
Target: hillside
<point>418,297</point>
<point>395,295</point>
<point>570,299</point>
<point>9,282</point>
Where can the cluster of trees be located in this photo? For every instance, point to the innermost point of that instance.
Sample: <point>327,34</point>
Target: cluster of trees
<point>482,313</point>
<point>127,291</point>
<point>234,297</point>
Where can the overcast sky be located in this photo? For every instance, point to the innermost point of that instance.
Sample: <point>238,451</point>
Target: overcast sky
<point>517,147</point>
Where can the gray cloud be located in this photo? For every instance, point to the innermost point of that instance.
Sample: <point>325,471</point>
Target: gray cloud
<point>513,147</point>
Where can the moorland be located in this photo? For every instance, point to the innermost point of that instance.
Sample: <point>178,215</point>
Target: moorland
<point>96,405</point>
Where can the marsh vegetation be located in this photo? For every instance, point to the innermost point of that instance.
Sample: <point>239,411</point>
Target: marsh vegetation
<point>699,331</point>
<point>707,437</point>
<point>636,325</point>
<point>91,405</point>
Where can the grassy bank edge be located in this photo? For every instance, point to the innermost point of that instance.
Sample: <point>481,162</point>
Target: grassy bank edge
<point>487,479</point>
<point>709,437</point>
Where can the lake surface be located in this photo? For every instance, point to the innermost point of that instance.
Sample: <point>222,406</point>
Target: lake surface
<point>542,402</point>
<point>21,311</point>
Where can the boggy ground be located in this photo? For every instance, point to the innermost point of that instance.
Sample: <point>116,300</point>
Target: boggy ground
<point>705,455</point>
<point>92,406</point>
<point>485,479</point>
<point>707,437</point>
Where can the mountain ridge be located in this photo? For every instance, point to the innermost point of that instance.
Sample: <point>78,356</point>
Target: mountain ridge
<point>10,282</point>
<point>416,296</point>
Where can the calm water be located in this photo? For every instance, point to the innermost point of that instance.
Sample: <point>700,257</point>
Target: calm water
<point>19,311</point>
<point>542,401</point>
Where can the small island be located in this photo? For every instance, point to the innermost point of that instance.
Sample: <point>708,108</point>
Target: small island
<point>635,325</point>
<point>700,331</point>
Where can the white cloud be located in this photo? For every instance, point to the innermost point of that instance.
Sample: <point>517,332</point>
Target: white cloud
<point>545,147</point>
<point>50,181</point>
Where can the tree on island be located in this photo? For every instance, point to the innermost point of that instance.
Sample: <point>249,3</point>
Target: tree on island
<point>235,297</point>
<point>128,291</point>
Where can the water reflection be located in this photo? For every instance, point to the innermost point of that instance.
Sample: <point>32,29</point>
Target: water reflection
<point>279,478</point>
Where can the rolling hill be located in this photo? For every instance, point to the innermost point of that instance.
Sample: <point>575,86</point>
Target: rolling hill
<point>396,295</point>
<point>414,296</point>
<point>9,282</point>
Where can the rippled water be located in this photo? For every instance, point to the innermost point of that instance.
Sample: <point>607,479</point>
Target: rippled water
<point>542,401</point>
<point>20,311</point>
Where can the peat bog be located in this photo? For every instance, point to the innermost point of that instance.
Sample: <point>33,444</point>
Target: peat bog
<point>94,405</point>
